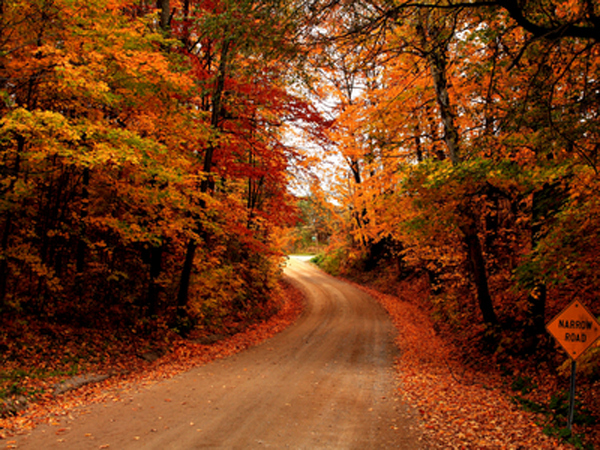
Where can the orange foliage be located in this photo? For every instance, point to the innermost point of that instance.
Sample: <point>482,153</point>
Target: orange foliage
<point>121,143</point>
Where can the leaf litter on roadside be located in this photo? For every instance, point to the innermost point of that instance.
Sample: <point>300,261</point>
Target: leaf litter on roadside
<point>460,408</point>
<point>43,364</point>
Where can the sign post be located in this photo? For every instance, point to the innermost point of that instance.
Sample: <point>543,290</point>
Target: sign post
<point>572,396</point>
<point>575,329</point>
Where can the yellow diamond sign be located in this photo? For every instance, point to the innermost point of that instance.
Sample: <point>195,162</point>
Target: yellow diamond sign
<point>575,329</point>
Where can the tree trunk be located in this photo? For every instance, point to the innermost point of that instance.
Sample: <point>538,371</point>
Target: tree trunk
<point>537,294</point>
<point>186,275</point>
<point>436,54</point>
<point>185,35</point>
<point>4,270</point>
<point>545,204</point>
<point>206,185</point>
<point>81,246</point>
<point>477,266</point>
<point>4,259</point>
<point>154,287</point>
<point>165,14</point>
<point>437,64</point>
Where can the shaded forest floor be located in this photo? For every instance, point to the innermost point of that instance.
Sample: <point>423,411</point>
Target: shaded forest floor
<point>47,370</point>
<point>471,399</point>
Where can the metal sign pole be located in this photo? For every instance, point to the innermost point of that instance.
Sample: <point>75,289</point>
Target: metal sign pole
<point>572,396</point>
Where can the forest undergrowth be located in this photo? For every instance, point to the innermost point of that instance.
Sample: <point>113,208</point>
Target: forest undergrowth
<point>39,360</point>
<point>470,398</point>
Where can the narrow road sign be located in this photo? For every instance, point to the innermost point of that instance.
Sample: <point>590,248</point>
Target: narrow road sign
<point>575,329</point>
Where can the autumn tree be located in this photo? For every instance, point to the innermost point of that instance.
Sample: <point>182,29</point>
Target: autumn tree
<point>133,135</point>
<point>479,141</point>
<point>84,133</point>
<point>240,52</point>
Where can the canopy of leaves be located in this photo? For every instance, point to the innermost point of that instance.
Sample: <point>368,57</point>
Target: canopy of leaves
<point>467,135</point>
<point>124,138</point>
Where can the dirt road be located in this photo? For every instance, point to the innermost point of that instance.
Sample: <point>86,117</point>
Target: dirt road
<point>326,382</point>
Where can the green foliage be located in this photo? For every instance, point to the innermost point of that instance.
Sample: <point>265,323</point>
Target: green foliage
<point>13,387</point>
<point>12,380</point>
<point>523,384</point>
<point>555,413</point>
<point>331,262</point>
<point>312,229</point>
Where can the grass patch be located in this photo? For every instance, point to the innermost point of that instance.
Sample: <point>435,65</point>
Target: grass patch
<point>555,414</point>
